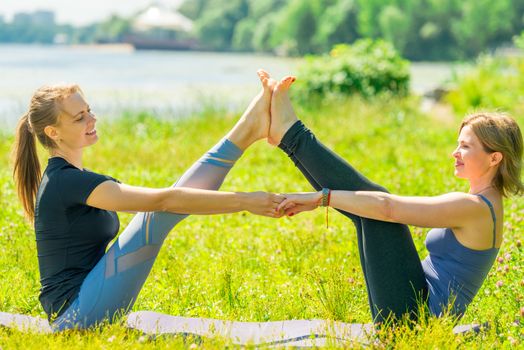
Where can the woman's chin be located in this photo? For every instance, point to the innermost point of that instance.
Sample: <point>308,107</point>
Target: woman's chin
<point>92,141</point>
<point>459,174</point>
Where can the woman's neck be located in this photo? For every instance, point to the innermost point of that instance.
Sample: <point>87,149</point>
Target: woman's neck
<point>74,158</point>
<point>482,183</point>
<point>480,188</point>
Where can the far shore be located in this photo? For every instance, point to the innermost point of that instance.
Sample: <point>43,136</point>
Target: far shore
<point>113,47</point>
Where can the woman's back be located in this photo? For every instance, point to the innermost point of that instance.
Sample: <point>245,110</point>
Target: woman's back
<point>71,237</point>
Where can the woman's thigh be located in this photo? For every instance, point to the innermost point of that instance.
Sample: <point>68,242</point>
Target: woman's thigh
<point>112,286</point>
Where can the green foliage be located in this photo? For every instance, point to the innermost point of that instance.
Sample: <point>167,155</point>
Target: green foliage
<point>242,37</point>
<point>494,82</point>
<point>419,29</point>
<point>193,9</point>
<point>296,26</point>
<point>519,41</point>
<point>114,29</point>
<point>395,26</point>
<point>367,68</point>
<point>247,268</point>
<point>216,27</point>
<point>336,25</point>
<point>262,35</point>
<point>483,23</point>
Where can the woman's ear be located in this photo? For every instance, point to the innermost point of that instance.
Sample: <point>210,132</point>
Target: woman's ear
<point>496,158</point>
<point>51,132</point>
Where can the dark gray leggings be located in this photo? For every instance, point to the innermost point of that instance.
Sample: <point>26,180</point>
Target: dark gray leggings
<point>392,269</point>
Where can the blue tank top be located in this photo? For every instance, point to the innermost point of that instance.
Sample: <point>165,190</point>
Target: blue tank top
<point>455,273</point>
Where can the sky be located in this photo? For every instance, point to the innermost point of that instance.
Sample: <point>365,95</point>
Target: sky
<point>79,12</point>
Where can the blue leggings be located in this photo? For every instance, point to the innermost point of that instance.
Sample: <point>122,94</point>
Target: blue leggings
<point>111,288</point>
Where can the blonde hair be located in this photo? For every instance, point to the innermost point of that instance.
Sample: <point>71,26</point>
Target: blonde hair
<point>498,132</point>
<point>44,110</point>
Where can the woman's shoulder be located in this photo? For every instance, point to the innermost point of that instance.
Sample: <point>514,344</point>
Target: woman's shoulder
<point>484,231</point>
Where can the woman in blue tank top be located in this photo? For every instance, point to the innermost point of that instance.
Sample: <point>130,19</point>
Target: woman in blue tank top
<point>468,233</point>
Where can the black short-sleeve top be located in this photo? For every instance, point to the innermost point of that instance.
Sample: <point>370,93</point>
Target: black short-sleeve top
<point>71,237</point>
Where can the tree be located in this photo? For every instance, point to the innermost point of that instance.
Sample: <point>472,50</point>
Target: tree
<point>337,24</point>
<point>395,26</point>
<point>481,22</point>
<point>243,34</point>
<point>217,24</point>
<point>295,27</point>
<point>193,9</point>
<point>113,29</point>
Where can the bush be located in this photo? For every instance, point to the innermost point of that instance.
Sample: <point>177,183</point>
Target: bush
<point>367,68</point>
<point>519,40</point>
<point>494,83</point>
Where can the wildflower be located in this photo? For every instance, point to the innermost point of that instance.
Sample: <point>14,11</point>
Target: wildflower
<point>499,283</point>
<point>111,339</point>
<point>507,256</point>
<point>500,259</point>
<point>142,339</point>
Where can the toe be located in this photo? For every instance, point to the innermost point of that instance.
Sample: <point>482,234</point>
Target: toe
<point>265,84</point>
<point>287,81</point>
<point>263,74</point>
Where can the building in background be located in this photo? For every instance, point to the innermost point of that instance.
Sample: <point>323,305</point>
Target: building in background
<point>37,18</point>
<point>161,28</point>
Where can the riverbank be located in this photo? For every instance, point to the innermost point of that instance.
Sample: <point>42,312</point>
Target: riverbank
<point>116,79</point>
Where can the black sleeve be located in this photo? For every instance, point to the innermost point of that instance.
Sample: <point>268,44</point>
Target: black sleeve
<point>75,185</point>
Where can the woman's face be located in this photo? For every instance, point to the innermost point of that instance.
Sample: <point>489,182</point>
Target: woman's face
<point>76,127</point>
<point>471,160</point>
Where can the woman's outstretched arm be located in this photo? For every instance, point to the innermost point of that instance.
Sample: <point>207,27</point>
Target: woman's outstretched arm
<point>453,210</point>
<point>113,196</point>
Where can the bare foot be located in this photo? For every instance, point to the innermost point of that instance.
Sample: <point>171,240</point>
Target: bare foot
<point>254,123</point>
<point>282,114</point>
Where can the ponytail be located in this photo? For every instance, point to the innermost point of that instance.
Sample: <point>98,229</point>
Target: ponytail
<point>26,170</point>
<point>44,110</point>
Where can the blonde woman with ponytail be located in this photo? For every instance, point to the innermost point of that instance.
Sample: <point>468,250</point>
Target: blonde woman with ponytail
<point>73,209</point>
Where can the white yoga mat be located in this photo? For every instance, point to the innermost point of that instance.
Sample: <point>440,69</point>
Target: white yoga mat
<point>303,333</point>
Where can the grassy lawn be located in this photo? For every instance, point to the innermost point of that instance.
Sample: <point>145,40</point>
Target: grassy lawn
<point>248,268</point>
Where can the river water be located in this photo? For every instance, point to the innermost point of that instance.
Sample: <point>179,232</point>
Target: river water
<point>117,78</point>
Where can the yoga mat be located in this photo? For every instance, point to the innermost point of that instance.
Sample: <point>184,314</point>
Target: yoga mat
<point>288,333</point>
<point>303,333</point>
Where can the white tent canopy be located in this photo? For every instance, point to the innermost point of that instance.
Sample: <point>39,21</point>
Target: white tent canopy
<point>160,17</point>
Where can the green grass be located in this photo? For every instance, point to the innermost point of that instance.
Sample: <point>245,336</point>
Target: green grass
<point>248,268</point>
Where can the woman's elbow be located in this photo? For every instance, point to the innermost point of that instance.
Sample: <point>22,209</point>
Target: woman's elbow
<point>388,208</point>
<point>165,201</point>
